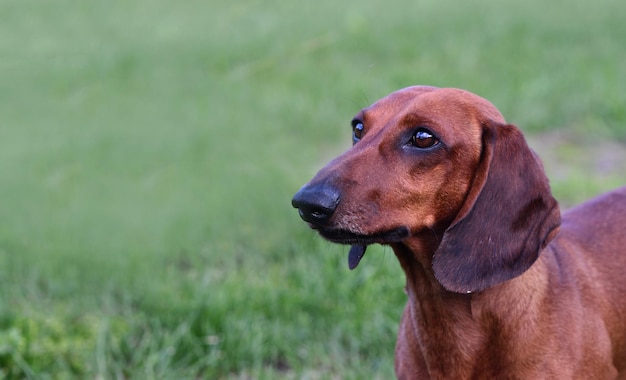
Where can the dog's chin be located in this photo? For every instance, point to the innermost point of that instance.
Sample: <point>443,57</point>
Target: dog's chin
<point>360,242</point>
<point>348,237</point>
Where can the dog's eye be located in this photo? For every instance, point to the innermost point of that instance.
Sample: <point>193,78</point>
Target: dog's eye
<point>357,131</point>
<point>423,139</point>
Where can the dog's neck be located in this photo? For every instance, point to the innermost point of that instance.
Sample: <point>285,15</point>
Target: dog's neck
<point>442,320</point>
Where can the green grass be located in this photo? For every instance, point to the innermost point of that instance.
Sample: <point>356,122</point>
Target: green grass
<point>149,151</point>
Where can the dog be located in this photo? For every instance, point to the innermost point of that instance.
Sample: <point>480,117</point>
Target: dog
<point>499,284</point>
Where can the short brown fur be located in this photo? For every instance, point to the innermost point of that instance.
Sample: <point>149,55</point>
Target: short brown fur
<point>499,287</point>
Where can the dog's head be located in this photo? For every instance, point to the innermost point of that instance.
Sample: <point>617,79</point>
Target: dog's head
<point>442,161</point>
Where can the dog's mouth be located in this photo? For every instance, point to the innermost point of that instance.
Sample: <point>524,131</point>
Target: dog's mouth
<point>347,237</point>
<point>359,242</point>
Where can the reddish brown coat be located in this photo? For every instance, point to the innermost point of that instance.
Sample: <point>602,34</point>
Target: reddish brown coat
<point>499,287</point>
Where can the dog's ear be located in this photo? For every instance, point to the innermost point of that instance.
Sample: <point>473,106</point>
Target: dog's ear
<point>509,215</point>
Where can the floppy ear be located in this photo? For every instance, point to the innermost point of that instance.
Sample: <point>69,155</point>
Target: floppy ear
<point>509,215</point>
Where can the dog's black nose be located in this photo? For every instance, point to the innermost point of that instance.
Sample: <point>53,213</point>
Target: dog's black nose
<point>316,203</point>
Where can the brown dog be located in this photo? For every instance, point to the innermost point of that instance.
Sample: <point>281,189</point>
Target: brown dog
<point>498,286</point>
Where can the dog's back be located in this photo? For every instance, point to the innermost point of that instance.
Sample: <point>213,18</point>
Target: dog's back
<point>592,239</point>
<point>598,226</point>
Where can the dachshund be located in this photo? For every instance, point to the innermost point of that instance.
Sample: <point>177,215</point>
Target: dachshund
<point>500,285</point>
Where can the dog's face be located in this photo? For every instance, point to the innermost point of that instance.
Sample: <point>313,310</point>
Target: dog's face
<point>410,167</point>
<point>439,167</point>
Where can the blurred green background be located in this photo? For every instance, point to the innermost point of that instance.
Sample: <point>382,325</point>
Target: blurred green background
<point>149,150</point>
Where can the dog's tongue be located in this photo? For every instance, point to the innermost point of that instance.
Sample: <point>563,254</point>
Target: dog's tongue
<point>355,255</point>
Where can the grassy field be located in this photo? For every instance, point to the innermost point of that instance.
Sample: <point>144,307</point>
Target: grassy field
<point>149,150</point>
